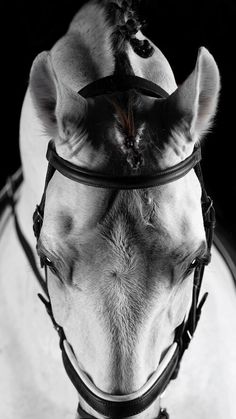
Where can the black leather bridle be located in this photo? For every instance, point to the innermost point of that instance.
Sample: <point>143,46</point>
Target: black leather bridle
<point>115,406</point>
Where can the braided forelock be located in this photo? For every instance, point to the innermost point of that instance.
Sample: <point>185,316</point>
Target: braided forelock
<point>129,135</point>
<point>125,117</point>
<point>125,18</point>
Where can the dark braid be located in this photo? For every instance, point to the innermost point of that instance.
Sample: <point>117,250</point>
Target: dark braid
<point>125,16</point>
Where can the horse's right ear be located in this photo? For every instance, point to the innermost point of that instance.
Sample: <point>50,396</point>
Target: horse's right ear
<point>193,104</point>
<point>60,109</point>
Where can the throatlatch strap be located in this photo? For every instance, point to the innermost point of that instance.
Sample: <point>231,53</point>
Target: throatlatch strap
<point>24,243</point>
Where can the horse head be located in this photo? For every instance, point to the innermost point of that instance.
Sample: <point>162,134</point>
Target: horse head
<point>121,261</point>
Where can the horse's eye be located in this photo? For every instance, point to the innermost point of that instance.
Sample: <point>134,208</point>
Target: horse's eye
<point>191,267</point>
<point>45,261</point>
<point>48,262</point>
<point>193,264</point>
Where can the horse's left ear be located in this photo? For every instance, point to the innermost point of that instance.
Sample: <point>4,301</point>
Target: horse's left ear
<point>193,104</point>
<point>60,109</point>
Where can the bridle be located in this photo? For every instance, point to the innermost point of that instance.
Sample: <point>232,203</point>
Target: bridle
<point>115,406</point>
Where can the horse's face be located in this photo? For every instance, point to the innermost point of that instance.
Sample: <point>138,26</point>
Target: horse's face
<point>121,278</point>
<point>121,269</point>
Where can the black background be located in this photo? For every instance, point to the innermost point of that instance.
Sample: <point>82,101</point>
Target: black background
<point>178,28</point>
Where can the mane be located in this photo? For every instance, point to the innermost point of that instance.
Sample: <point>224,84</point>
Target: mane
<point>125,18</point>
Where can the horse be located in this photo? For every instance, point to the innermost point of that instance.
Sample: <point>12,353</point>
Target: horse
<point>120,262</point>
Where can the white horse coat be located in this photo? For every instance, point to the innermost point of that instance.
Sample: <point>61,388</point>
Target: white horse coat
<point>33,382</point>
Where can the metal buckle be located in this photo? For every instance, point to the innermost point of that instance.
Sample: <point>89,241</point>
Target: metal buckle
<point>209,213</point>
<point>163,414</point>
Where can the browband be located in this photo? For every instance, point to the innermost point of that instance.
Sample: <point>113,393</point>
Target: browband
<point>97,179</point>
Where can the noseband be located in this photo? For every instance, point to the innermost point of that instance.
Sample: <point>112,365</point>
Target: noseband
<point>116,406</point>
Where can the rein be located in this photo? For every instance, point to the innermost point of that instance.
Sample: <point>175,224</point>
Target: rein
<point>114,406</point>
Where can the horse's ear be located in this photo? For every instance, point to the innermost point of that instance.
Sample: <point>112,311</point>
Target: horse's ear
<point>193,104</point>
<point>60,109</point>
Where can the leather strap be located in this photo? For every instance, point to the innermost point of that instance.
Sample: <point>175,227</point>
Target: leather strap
<point>10,188</point>
<point>84,415</point>
<point>121,409</point>
<point>114,84</point>
<point>24,243</point>
<point>100,180</point>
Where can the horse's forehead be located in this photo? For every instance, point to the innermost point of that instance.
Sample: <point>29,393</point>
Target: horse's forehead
<point>66,199</point>
<point>172,212</point>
